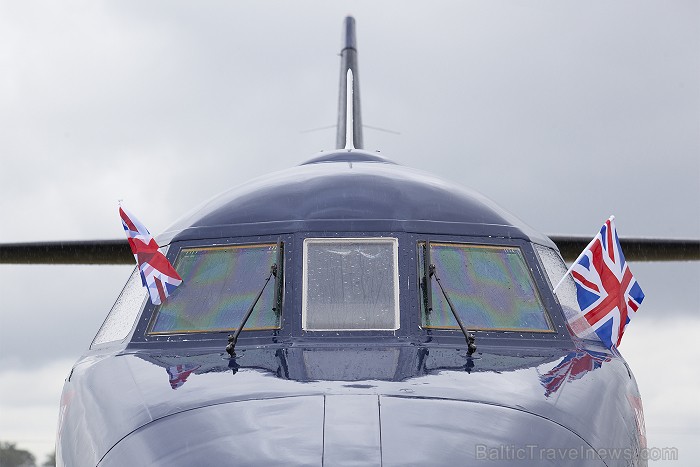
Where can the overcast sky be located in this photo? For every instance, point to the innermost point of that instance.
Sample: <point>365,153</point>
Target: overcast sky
<point>563,112</point>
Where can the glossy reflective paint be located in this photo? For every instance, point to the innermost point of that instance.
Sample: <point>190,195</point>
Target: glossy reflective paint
<point>297,397</point>
<point>423,402</point>
<point>344,188</point>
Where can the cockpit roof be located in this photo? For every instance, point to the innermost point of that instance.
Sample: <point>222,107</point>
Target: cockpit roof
<point>349,190</point>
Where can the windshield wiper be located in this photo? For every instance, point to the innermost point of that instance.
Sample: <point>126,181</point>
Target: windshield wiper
<point>431,272</point>
<point>279,278</point>
<point>276,307</point>
<point>428,286</point>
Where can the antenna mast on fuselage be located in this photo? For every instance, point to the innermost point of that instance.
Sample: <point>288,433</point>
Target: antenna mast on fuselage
<point>349,133</point>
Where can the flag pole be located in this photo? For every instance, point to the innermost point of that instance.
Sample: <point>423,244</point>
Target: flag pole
<point>611,218</point>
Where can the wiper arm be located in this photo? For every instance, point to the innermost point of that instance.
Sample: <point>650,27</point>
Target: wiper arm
<point>471,346</point>
<point>279,276</point>
<point>232,339</point>
<point>426,279</point>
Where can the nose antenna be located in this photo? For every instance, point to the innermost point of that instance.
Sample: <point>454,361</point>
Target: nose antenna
<point>349,129</point>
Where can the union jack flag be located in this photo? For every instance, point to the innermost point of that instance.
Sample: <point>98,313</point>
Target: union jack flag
<point>178,374</point>
<point>572,367</point>
<point>607,292</point>
<point>157,274</point>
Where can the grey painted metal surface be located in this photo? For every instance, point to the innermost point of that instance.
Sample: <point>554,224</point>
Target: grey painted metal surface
<point>435,407</point>
<point>344,189</point>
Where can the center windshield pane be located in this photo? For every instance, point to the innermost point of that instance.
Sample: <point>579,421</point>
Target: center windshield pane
<point>350,284</point>
<point>490,287</point>
<point>218,286</point>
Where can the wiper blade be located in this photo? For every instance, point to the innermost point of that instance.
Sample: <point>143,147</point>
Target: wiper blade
<point>431,272</point>
<point>232,339</point>
<point>276,307</point>
<point>428,300</point>
<point>279,278</point>
<point>471,346</point>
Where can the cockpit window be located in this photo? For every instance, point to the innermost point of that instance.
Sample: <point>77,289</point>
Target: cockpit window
<point>218,286</point>
<point>122,317</point>
<point>350,284</point>
<point>556,268</point>
<point>490,286</point>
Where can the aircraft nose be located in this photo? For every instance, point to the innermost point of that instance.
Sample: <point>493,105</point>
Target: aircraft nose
<point>352,430</point>
<point>418,431</point>
<point>362,430</point>
<point>342,430</point>
<point>280,431</point>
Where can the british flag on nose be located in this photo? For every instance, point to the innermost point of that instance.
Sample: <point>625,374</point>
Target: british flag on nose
<point>157,274</point>
<point>607,292</point>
